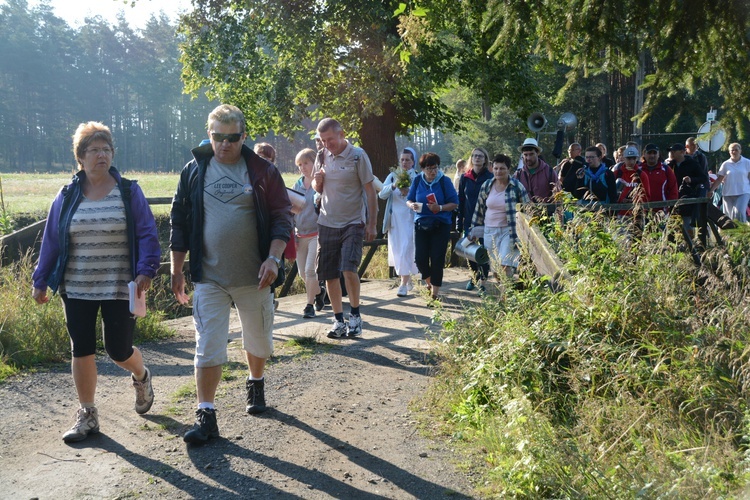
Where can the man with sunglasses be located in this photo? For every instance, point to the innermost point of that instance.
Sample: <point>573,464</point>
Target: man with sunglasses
<point>232,213</point>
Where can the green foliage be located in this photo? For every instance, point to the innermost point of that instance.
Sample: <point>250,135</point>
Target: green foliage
<point>7,224</point>
<point>402,178</point>
<point>630,382</point>
<point>688,46</point>
<point>340,56</point>
<point>29,333</point>
<point>53,77</point>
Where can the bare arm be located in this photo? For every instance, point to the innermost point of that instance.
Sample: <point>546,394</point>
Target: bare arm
<point>372,212</point>
<point>717,183</point>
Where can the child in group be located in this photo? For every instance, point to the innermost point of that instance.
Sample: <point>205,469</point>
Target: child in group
<point>306,234</point>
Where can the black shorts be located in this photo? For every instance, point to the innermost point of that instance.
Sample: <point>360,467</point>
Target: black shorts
<point>118,326</point>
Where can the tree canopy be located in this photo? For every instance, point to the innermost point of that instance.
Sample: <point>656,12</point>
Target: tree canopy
<point>687,45</point>
<point>282,61</point>
<point>53,77</point>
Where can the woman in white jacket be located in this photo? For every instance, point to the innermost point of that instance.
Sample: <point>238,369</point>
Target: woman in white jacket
<point>398,223</point>
<point>734,174</point>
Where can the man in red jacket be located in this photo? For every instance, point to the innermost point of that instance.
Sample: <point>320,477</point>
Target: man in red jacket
<point>662,183</point>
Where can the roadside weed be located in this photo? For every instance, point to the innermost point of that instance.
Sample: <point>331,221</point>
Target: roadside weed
<point>629,382</point>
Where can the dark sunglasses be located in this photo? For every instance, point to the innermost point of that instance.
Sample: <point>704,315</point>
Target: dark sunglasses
<point>225,137</point>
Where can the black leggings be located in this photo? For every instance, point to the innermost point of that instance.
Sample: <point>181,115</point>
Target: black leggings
<point>429,251</point>
<point>117,327</point>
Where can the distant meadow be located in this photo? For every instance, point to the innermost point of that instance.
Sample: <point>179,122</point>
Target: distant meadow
<point>31,194</point>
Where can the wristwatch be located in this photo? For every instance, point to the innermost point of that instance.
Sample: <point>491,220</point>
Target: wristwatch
<point>276,260</point>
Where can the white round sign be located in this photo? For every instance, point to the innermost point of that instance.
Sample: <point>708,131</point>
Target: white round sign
<point>714,139</point>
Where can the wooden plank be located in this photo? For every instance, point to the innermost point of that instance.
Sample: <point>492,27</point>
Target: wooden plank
<point>543,257</point>
<point>14,245</point>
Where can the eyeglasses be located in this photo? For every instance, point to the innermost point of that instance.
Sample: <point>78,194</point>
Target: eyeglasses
<point>225,137</point>
<point>431,168</point>
<point>98,151</point>
<point>480,155</point>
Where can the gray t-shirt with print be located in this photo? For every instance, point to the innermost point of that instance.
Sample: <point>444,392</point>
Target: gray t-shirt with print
<point>231,256</point>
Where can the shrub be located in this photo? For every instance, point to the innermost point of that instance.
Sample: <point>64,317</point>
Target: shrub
<point>629,382</point>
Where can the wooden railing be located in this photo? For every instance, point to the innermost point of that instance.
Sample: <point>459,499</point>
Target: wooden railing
<point>13,246</point>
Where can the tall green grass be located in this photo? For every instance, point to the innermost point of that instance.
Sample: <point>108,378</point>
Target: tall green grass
<point>31,334</point>
<point>631,382</point>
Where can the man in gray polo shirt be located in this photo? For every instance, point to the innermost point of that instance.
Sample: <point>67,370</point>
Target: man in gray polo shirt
<point>348,213</point>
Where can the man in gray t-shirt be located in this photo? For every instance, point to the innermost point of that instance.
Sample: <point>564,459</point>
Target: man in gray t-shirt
<point>231,213</point>
<point>348,213</point>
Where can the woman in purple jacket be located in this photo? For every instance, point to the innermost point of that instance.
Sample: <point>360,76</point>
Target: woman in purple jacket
<point>100,235</point>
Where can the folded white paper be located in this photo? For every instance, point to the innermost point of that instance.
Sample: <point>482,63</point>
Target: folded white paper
<point>137,304</point>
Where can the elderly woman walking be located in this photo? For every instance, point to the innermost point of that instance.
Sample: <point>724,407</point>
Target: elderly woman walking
<point>100,235</point>
<point>468,191</point>
<point>734,174</point>
<point>398,221</point>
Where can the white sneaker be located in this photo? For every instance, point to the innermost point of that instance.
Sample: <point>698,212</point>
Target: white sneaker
<point>410,286</point>
<point>355,327</point>
<point>144,393</point>
<point>338,330</point>
<point>87,422</point>
<point>403,290</point>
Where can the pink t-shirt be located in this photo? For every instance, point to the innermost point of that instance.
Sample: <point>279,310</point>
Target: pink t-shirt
<point>497,209</point>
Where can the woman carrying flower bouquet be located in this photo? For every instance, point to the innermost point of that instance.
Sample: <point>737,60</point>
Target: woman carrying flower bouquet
<point>398,220</point>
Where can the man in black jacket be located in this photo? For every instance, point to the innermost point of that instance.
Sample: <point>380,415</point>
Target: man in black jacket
<point>691,148</point>
<point>572,163</point>
<point>693,183</point>
<point>231,211</point>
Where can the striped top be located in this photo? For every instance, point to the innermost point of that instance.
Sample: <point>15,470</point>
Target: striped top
<point>98,266</point>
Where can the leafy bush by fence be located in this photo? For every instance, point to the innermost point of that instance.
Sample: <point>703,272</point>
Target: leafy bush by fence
<point>630,382</point>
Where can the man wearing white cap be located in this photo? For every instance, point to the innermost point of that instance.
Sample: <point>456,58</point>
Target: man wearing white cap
<point>628,180</point>
<point>539,179</point>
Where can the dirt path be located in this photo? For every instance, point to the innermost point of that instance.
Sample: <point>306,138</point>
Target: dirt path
<point>339,424</point>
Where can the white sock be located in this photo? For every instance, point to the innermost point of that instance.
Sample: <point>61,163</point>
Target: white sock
<point>206,406</point>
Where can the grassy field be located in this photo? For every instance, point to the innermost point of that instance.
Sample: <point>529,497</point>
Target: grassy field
<point>33,193</point>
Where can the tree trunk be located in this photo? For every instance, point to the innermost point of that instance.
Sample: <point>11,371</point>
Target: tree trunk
<point>486,110</point>
<point>378,136</point>
<point>604,123</point>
